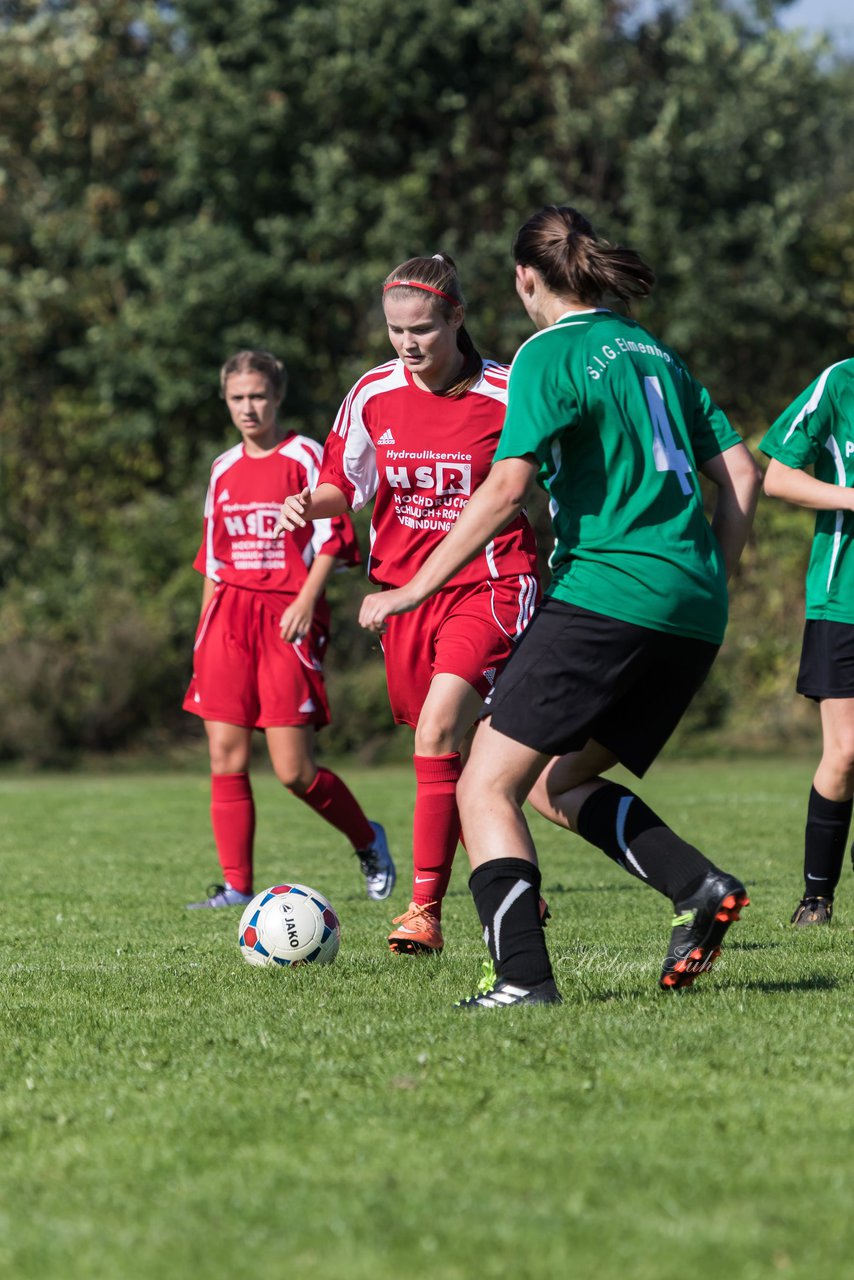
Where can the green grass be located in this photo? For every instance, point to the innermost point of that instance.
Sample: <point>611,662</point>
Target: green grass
<point>165,1110</point>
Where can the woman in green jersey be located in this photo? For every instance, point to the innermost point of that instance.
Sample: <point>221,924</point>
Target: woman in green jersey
<point>615,428</point>
<point>817,431</point>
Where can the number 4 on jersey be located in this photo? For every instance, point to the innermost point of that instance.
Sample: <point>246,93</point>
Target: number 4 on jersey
<point>666,453</point>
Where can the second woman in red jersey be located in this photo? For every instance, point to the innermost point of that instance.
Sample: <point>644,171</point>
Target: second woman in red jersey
<point>262,634</point>
<point>417,435</point>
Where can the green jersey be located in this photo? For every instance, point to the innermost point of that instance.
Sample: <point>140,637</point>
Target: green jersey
<point>619,427</point>
<point>818,429</point>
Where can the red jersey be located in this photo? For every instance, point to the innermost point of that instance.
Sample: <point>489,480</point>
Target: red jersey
<point>241,512</point>
<point>422,456</point>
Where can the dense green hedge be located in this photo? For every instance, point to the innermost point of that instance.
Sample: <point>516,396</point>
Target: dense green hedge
<point>179,181</point>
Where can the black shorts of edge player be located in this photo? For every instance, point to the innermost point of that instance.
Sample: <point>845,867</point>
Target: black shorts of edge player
<point>576,675</point>
<point>827,660</point>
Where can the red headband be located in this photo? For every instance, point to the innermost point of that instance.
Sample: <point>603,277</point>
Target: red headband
<point>416,284</point>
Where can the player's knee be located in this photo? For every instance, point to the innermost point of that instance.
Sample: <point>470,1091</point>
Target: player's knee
<point>436,737</point>
<point>539,797</point>
<point>296,775</point>
<point>465,794</point>
<point>293,780</point>
<point>839,760</point>
<point>228,759</point>
<point>473,791</point>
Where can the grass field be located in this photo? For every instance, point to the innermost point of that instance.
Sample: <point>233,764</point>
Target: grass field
<point>167,1111</point>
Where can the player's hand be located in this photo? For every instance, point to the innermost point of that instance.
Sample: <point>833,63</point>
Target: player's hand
<point>295,622</point>
<point>292,513</point>
<point>376,608</point>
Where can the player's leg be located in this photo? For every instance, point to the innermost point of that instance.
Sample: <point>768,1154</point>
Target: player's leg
<point>564,777</point>
<point>505,879</point>
<point>441,660</point>
<point>445,719</point>
<point>622,689</point>
<point>826,675</point>
<point>293,702</point>
<point>617,821</point>
<point>232,812</point>
<point>291,750</point>
<point>828,813</point>
<point>607,814</point>
<point>222,692</point>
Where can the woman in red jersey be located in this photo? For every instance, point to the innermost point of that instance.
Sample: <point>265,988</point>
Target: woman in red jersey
<point>417,435</point>
<point>263,630</point>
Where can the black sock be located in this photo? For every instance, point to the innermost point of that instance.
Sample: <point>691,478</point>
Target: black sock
<point>824,844</point>
<point>506,893</point>
<point>618,822</point>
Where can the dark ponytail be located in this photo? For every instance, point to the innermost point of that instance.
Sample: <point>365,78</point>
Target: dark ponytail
<point>561,245</point>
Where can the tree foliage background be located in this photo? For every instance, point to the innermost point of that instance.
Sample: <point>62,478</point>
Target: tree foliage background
<point>180,180</point>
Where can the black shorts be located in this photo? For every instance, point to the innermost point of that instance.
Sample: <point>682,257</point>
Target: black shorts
<point>827,660</point>
<point>576,675</point>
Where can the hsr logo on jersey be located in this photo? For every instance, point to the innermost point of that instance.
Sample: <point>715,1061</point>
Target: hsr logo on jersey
<point>447,478</point>
<point>255,524</point>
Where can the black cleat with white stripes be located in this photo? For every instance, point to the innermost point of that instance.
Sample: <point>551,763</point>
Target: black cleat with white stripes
<point>506,994</point>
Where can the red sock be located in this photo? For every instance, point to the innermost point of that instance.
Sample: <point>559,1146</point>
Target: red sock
<point>435,827</point>
<point>233,822</point>
<point>333,800</point>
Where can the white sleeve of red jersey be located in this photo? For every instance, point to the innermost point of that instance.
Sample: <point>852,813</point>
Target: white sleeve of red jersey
<point>200,563</point>
<point>333,536</point>
<point>310,454</point>
<point>343,543</point>
<point>349,455</point>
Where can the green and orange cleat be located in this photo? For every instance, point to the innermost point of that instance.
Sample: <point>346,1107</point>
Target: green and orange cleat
<point>699,928</point>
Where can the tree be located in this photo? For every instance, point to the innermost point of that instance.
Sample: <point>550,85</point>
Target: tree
<point>183,180</point>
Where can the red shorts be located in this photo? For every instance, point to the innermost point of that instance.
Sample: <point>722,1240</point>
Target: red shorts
<point>244,673</point>
<point>465,631</point>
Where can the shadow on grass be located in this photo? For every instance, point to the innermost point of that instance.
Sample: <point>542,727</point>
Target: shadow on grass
<point>816,983</point>
<point>609,997</point>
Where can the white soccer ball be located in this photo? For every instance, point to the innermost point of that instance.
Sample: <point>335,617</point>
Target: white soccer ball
<point>287,925</point>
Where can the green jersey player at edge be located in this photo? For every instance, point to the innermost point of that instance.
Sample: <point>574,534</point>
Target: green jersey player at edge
<point>615,426</point>
<point>811,447</point>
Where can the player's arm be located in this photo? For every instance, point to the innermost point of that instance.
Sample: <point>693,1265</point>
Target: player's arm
<point>738,480</point>
<point>498,501</point>
<point>299,509</point>
<point>208,589</point>
<point>799,487</point>
<point>295,622</point>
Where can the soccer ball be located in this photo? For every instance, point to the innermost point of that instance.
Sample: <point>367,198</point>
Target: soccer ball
<point>289,924</point>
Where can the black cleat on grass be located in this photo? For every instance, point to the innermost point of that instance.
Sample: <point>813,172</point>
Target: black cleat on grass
<point>506,994</point>
<point>699,928</point>
<point>813,910</point>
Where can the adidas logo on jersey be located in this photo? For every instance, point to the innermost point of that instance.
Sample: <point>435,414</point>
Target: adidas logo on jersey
<point>307,706</point>
<point>224,496</point>
<point>386,438</point>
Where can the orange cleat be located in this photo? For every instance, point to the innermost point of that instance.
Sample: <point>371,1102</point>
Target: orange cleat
<point>418,931</point>
<point>699,928</point>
